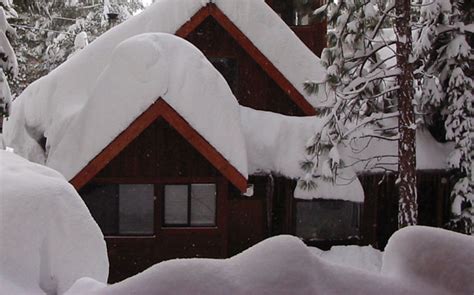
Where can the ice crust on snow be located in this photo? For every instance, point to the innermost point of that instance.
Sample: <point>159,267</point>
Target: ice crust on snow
<point>48,237</point>
<point>285,265</point>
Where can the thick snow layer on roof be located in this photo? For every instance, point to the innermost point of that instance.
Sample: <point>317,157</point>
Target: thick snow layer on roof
<point>284,265</point>
<point>48,237</point>
<point>269,33</point>
<point>47,107</point>
<point>141,69</point>
<point>276,143</point>
<point>382,154</point>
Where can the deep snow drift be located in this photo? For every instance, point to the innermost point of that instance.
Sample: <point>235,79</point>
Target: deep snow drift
<point>361,257</point>
<point>284,265</point>
<point>48,238</point>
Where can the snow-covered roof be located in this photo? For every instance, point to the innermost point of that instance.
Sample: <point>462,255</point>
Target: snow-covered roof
<point>52,106</point>
<point>276,143</point>
<point>48,237</point>
<point>141,70</point>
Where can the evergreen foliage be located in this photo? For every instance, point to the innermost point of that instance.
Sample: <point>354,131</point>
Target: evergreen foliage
<point>361,61</point>
<point>444,53</point>
<point>47,31</point>
<point>8,60</point>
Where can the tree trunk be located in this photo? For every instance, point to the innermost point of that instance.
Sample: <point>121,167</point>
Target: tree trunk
<point>407,204</point>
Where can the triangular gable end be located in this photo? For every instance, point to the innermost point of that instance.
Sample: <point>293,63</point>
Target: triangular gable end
<point>159,109</point>
<point>211,10</point>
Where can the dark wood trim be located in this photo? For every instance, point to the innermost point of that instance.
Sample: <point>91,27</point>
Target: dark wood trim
<point>159,109</point>
<point>194,22</point>
<point>200,144</point>
<point>116,146</point>
<point>213,11</point>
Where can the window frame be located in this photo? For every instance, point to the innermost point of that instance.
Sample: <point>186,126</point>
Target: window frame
<point>188,224</point>
<point>323,242</point>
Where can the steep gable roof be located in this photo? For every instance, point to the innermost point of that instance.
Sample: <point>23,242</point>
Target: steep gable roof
<point>159,109</point>
<point>295,93</point>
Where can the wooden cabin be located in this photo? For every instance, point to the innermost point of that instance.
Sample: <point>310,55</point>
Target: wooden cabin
<point>160,190</point>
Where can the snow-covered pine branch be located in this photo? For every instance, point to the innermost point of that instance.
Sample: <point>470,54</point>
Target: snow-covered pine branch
<point>8,61</point>
<point>445,84</point>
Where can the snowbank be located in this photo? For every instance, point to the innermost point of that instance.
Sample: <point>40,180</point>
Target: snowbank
<point>360,257</point>
<point>433,257</point>
<point>284,265</point>
<point>48,237</point>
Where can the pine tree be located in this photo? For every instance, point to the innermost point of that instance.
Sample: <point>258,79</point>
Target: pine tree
<point>407,204</point>
<point>8,61</point>
<point>369,87</point>
<point>446,61</point>
<point>369,90</point>
<point>47,31</point>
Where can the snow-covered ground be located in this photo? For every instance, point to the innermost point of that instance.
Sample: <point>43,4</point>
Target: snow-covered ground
<point>361,257</point>
<point>418,260</point>
<point>48,238</point>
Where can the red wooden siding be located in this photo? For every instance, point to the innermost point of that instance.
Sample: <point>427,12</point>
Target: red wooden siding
<point>254,88</point>
<point>211,11</point>
<point>161,155</point>
<point>159,109</point>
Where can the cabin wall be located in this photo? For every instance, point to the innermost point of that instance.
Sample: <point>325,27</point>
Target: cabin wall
<point>249,83</point>
<point>378,219</point>
<point>160,156</point>
<point>381,206</point>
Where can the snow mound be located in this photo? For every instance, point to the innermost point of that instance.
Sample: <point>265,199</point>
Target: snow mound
<point>48,237</point>
<point>361,257</point>
<point>278,265</point>
<point>433,257</point>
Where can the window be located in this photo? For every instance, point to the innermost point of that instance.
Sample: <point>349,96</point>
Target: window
<point>121,209</point>
<point>328,220</point>
<point>190,205</point>
<point>296,12</point>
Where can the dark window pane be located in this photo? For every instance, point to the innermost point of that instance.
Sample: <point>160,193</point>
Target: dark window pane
<point>203,204</point>
<point>102,201</point>
<point>296,12</point>
<point>176,205</point>
<point>327,220</point>
<point>136,209</point>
